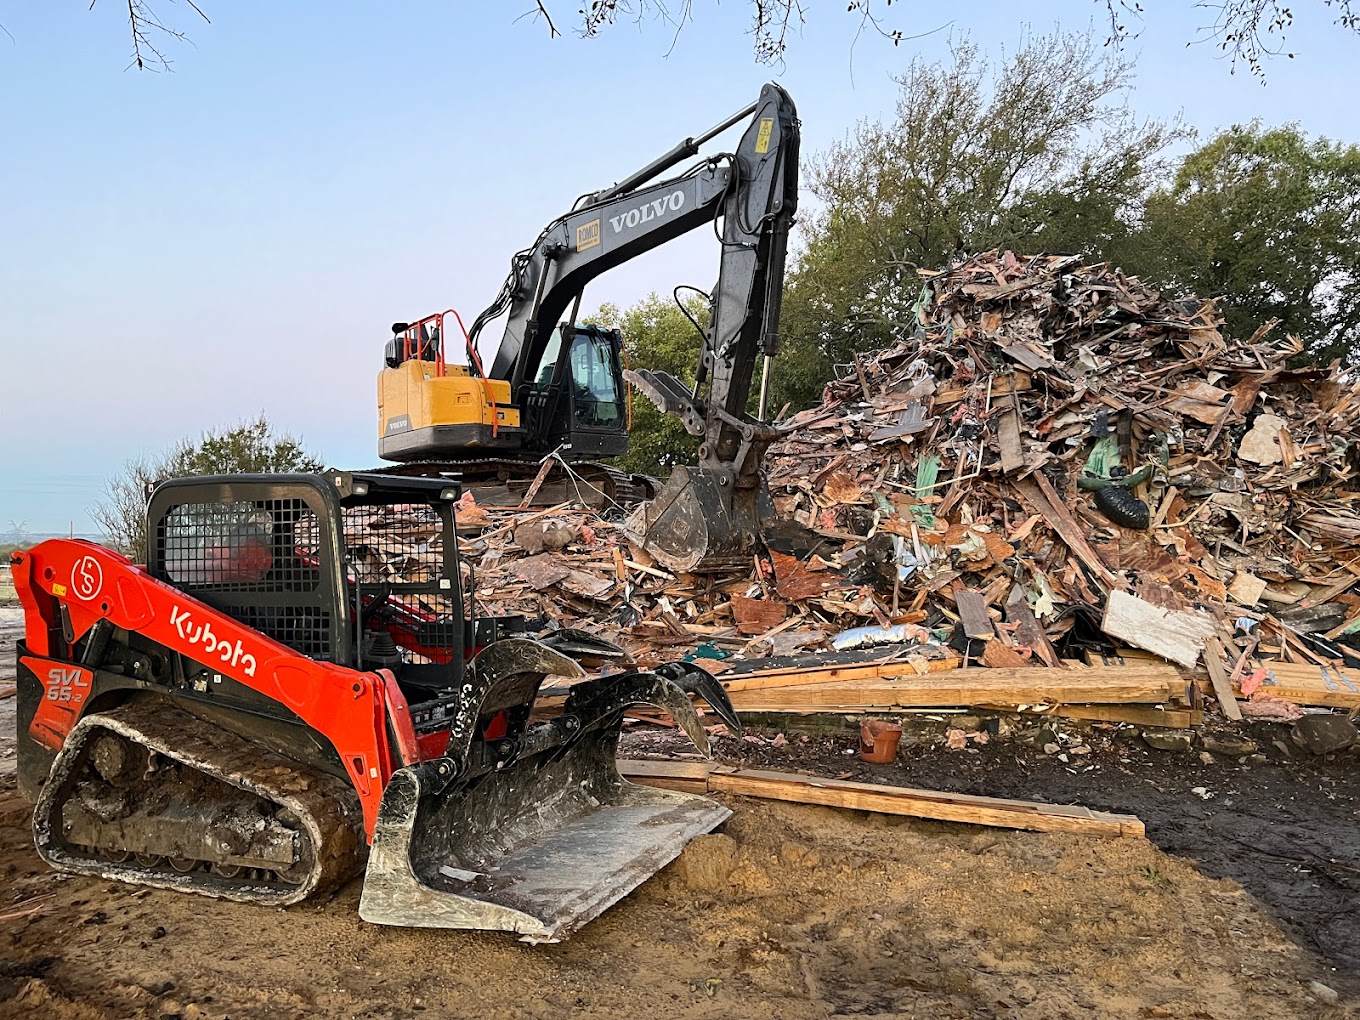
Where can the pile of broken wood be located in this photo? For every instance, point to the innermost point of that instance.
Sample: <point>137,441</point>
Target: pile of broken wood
<point>1059,464</point>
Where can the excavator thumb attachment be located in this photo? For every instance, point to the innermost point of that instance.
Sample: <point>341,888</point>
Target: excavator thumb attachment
<point>535,832</point>
<point>700,522</point>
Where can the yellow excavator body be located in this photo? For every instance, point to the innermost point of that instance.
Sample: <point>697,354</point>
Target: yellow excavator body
<point>422,411</point>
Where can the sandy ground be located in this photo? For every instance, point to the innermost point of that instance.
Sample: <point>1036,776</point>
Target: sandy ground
<point>790,912</point>
<point>11,629</point>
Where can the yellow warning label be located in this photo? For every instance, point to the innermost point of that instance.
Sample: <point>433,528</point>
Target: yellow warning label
<point>58,589</point>
<point>588,235</point>
<point>763,135</point>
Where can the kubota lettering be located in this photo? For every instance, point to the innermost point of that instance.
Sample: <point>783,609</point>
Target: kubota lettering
<point>229,653</point>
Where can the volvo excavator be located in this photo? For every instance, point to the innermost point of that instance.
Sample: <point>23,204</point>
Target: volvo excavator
<point>556,391</point>
<point>292,690</point>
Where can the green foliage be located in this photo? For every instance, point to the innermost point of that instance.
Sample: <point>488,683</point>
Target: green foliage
<point>1038,155</point>
<point>657,335</point>
<point>249,447</point>
<point>1268,221</point>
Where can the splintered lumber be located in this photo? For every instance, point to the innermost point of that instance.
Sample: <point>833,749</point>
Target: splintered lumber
<point>1218,676</point>
<point>1308,684</point>
<point>1133,684</point>
<point>892,800</point>
<point>1041,494</point>
<point>1177,635</point>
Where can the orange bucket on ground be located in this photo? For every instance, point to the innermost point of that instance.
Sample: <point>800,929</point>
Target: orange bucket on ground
<point>878,740</point>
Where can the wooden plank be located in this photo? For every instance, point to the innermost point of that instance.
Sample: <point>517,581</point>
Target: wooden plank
<point>1040,493</point>
<point>804,676</point>
<point>894,800</point>
<point>1307,684</point>
<point>1020,382</point>
<point>1008,439</point>
<point>1134,715</point>
<point>687,777</point>
<point>1218,676</point>
<point>973,611</point>
<point>1152,684</point>
<point>1025,356</point>
<point>863,382</point>
<point>756,616</point>
<point>1028,632</point>
<point>1173,634</point>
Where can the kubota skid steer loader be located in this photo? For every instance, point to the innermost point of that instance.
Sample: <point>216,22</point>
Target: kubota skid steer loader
<point>290,690</point>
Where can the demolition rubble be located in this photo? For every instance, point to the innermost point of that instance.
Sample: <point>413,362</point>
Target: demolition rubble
<point>1062,492</point>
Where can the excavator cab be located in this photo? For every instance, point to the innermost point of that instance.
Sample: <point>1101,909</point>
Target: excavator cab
<point>578,397</point>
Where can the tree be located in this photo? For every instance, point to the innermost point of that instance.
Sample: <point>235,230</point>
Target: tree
<point>1039,155</point>
<point>248,447</point>
<point>1245,30</point>
<point>1269,221</point>
<point>658,334</point>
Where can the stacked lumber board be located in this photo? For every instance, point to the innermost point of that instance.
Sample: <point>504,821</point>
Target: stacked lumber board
<point>1146,693</point>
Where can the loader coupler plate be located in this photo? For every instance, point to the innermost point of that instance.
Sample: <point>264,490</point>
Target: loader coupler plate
<point>538,850</point>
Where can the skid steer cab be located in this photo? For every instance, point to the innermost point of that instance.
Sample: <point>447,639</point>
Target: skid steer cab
<point>291,690</point>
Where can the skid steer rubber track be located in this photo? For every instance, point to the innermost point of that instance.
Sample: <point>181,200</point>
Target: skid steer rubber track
<point>149,794</point>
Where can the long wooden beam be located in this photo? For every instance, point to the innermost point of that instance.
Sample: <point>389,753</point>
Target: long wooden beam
<point>1140,684</point>
<point>699,777</point>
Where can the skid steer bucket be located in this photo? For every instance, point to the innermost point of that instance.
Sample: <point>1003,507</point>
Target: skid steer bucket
<point>534,833</point>
<point>700,522</point>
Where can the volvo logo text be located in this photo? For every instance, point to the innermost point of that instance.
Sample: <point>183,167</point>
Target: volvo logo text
<point>654,209</point>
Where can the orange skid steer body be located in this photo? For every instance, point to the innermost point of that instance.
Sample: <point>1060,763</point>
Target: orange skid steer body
<point>289,692</point>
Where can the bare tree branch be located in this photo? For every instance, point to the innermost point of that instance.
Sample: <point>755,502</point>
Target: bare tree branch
<point>1247,31</point>
<point>146,27</point>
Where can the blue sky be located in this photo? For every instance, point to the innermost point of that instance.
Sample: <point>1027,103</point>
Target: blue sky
<point>179,251</point>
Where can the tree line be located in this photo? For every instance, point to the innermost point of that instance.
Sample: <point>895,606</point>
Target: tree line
<point>1039,153</point>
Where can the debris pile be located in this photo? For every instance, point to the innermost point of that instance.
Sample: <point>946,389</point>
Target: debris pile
<point>1059,442</point>
<point>1057,464</point>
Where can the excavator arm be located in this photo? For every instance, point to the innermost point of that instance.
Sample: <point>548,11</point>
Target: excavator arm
<point>709,515</point>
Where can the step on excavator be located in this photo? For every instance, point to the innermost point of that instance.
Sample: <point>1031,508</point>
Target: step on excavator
<point>556,392</point>
<point>293,690</point>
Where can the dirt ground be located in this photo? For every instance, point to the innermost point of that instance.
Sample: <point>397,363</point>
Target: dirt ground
<point>1286,826</point>
<point>790,912</point>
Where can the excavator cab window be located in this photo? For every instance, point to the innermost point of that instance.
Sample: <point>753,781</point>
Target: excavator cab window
<point>547,365</point>
<point>596,401</point>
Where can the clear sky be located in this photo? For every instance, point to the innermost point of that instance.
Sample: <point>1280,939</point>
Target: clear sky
<point>179,251</point>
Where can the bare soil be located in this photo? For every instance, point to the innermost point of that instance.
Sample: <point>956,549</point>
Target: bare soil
<point>1286,826</point>
<point>791,911</point>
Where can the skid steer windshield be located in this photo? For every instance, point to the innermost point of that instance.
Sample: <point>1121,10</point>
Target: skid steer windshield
<point>595,387</point>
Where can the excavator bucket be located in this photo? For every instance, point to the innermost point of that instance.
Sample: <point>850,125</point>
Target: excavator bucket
<point>535,832</point>
<point>698,522</point>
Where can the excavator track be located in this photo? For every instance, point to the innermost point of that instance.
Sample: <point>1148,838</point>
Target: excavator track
<point>149,794</point>
<point>503,481</point>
